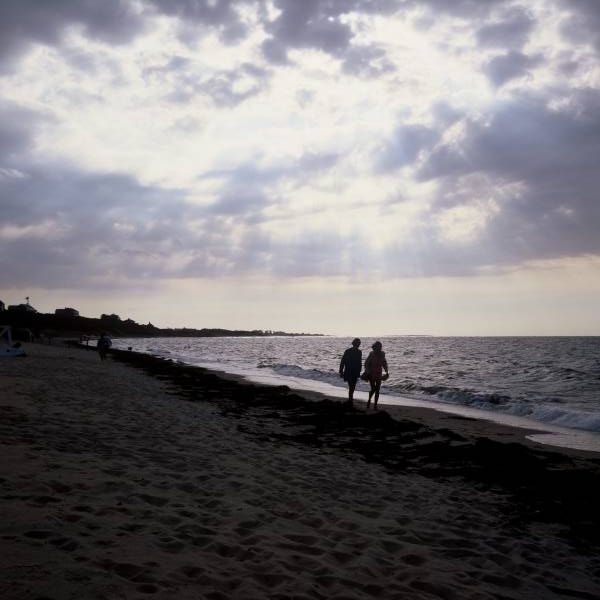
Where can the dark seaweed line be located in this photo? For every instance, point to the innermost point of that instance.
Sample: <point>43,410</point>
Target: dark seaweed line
<point>545,486</point>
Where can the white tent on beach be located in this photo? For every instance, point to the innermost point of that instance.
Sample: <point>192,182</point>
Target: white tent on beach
<point>6,343</point>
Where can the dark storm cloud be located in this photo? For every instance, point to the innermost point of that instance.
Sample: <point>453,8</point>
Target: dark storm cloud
<point>583,22</point>
<point>308,24</point>
<point>65,228</point>
<point>45,22</point>
<point>221,16</point>
<point>15,131</point>
<point>318,24</point>
<point>510,32</point>
<point>23,22</point>
<point>457,8</point>
<point>512,65</point>
<point>549,157</point>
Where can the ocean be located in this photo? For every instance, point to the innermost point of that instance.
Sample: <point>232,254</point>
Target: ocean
<point>548,383</point>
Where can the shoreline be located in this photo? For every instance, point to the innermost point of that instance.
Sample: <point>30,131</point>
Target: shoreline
<point>553,434</point>
<point>498,426</point>
<point>139,476</point>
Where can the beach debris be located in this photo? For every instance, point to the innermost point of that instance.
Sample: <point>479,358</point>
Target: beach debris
<point>7,347</point>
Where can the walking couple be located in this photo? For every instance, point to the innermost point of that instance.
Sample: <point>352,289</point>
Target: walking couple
<point>351,365</point>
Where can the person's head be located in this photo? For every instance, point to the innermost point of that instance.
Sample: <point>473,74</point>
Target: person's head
<point>377,346</point>
<point>356,342</point>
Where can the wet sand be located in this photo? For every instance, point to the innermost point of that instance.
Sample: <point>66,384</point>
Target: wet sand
<point>184,484</point>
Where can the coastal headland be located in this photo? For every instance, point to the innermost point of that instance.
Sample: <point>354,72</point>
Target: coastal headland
<point>140,477</point>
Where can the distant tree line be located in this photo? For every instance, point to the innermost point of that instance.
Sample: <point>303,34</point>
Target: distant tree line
<point>61,326</point>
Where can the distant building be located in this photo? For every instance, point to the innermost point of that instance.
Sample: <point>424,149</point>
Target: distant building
<point>66,312</point>
<point>2,306</point>
<point>24,308</point>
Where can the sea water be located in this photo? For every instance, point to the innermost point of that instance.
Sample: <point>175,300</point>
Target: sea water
<point>546,383</point>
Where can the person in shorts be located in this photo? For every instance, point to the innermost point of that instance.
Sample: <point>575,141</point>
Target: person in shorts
<point>350,367</point>
<point>374,367</point>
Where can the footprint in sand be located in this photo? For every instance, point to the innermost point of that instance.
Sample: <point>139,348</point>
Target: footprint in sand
<point>39,534</point>
<point>129,571</point>
<point>154,500</point>
<point>171,545</point>
<point>60,488</point>
<point>309,540</point>
<point>65,544</point>
<point>43,500</point>
<point>191,571</point>
<point>414,560</point>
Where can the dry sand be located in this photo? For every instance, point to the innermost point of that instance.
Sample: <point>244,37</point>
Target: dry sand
<point>115,486</point>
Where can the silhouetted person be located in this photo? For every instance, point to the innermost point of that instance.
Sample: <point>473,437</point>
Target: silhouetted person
<point>350,367</point>
<point>374,367</point>
<point>104,343</point>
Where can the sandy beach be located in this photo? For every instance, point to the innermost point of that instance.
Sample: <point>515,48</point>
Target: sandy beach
<point>135,478</point>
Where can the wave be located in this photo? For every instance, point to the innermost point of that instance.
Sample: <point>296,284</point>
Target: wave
<point>542,410</point>
<point>551,392</point>
<point>330,376</point>
<point>545,411</point>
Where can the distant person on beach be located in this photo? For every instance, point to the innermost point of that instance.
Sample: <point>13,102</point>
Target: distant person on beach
<point>104,343</point>
<point>374,367</point>
<point>350,367</point>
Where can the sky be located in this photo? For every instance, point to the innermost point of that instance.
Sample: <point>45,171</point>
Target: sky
<point>351,167</point>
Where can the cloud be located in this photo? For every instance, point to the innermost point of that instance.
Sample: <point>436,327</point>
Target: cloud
<point>318,25</point>
<point>78,227</point>
<point>63,226</point>
<point>239,203</point>
<point>248,189</point>
<point>458,8</point>
<point>26,22</point>
<point>15,136</point>
<point>537,165</point>
<point>221,16</point>
<point>583,22</point>
<point>512,65</point>
<point>404,146</point>
<point>308,24</point>
<point>510,32</point>
<point>367,61</point>
<point>516,179</point>
<point>23,22</point>
<point>187,79</point>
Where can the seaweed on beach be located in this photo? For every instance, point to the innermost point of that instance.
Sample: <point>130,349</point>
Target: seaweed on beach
<point>545,485</point>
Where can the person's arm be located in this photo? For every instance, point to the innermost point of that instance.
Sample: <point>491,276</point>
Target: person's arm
<point>343,364</point>
<point>385,365</point>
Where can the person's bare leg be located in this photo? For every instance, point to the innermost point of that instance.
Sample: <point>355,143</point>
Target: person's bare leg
<point>371,392</point>
<point>377,388</point>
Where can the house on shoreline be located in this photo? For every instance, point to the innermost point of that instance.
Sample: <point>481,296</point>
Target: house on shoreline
<point>66,312</point>
<point>22,308</point>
